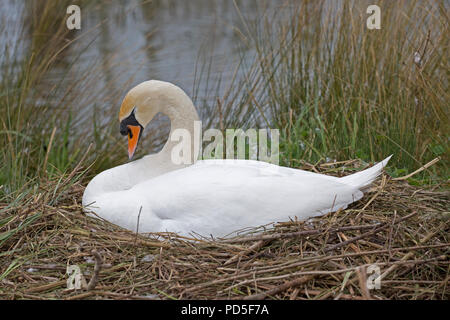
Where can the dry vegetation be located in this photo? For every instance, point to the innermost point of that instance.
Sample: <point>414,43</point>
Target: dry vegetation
<point>400,228</point>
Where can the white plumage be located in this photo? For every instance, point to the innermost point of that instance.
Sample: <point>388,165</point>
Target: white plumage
<point>211,197</point>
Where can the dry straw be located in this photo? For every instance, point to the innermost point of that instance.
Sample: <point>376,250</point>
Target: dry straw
<point>401,229</point>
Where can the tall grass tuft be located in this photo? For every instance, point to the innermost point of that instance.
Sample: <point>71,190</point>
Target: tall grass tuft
<point>46,126</point>
<point>27,121</point>
<point>338,90</point>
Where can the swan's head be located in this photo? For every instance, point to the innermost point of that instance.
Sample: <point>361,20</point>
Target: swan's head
<point>142,103</point>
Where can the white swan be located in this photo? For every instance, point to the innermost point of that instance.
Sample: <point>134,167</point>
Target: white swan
<point>209,197</point>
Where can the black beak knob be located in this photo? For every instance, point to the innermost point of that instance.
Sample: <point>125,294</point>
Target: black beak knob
<point>123,128</point>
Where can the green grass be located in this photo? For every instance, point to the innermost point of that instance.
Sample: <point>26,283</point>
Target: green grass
<point>335,89</point>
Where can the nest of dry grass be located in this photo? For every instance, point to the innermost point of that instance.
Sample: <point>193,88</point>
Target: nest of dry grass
<point>397,230</point>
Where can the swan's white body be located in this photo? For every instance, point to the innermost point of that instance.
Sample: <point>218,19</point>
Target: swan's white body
<point>216,197</point>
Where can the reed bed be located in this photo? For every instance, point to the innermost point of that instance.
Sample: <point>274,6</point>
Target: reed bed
<point>399,228</point>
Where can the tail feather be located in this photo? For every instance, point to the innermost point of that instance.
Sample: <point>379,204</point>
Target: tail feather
<point>363,179</point>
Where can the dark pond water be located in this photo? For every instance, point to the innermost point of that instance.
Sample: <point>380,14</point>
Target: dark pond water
<point>193,44</point>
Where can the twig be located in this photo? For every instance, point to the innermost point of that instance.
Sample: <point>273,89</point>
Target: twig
<point>97,268</point>
<point>429,164</point>
<point>137,231</point>
<point>48,286</point>
<point>255,247</point>
<point>283,287</point>
<point>362,277</point>
<point>121,238</point>
<point>81,295</point>
<point>49,147</point>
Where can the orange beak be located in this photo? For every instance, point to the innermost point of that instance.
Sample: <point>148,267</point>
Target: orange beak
<point>133,139</point>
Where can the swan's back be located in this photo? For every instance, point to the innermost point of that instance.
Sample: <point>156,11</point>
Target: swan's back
<point>221,196</point>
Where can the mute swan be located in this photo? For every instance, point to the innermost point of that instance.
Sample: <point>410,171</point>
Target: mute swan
<point>209,197</point>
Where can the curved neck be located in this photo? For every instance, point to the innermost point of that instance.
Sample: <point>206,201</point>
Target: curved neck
<point>185,133</point>
<point>183,119</point>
